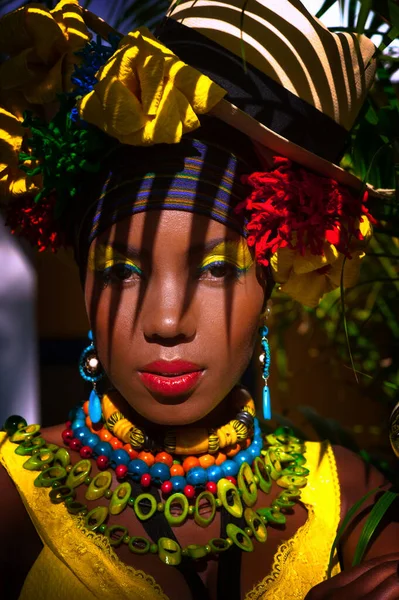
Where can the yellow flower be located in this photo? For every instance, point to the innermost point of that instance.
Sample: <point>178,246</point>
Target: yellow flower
<point>40,46</point>
<point>12,179</point>
<point>307,278</point>
<point>146,95</point>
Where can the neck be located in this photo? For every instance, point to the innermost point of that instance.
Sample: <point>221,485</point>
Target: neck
<point>219,416</point>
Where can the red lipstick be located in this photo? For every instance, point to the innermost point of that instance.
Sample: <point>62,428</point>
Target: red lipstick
<point>170,378</point>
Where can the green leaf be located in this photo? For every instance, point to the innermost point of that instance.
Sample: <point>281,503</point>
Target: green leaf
<point>364,12</point>
<point>380,7</point>
<point>393,13</point>
<point>371,115</point>
<point>376,22</point>
<point>327,4</point>
<point>386,264</point>
<point>390,385</point>
<point>345,321</point>
<point>372,156</point>
<point>377,513</point>
<point>388,38</point>
<point>352,13</point>
<point>388,125</point>
<point>384,80</point>
<point>348,517</point>
<point>343,307</point>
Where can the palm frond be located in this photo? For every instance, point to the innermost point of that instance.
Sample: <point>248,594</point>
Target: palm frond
<point>327,4</point>
<point>363,15</point>
<point>352,11</point>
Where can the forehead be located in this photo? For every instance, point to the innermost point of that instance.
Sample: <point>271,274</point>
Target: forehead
<point>166,231</point>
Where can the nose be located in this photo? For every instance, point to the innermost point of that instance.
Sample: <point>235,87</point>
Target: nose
<point>168,317</point>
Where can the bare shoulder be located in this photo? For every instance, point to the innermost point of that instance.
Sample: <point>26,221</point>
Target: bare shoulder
<point>10,504</point>
<point>53,434</point>
<point>357,478</point>
<point>20,544</point>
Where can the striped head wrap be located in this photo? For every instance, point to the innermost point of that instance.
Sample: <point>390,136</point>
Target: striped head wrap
<point>195,176</point>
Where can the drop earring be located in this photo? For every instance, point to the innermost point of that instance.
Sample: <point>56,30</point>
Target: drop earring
<point>264,359</point>
<point>90,370</point>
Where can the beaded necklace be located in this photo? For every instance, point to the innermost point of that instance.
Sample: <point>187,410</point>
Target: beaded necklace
<point>171,469</point>
<point>280,460</point>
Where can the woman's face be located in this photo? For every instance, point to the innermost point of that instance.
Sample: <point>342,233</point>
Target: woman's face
<point>174,300</point>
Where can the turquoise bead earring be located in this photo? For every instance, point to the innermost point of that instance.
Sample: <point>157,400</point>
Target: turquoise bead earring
<point>265,361</point>
<point>90,370</point>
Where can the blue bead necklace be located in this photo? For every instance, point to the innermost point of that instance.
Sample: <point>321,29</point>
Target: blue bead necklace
<point>159,473</point>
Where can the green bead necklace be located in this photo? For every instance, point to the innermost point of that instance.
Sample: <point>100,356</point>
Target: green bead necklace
<point>281,460</point>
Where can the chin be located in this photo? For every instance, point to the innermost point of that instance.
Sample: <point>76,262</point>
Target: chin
<point>176,411</point>
<point>178,415</point>
<point>170,410</point>
<point>171,421</point>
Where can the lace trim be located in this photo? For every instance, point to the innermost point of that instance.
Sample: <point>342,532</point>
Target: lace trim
<point>302,559</point>
<point>280,558</point>
<point>102,542</point>
<point>334,474</point>
<point>54,524</point>
<point>288,557</point>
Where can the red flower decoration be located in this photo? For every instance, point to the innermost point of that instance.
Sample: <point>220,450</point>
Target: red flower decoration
<point>291,207</point>
<point>35,222</point>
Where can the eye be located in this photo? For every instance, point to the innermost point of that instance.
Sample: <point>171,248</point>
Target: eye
<point>121,273</point>
<point>219,270</point>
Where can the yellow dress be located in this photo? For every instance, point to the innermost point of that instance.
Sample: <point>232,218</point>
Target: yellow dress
<point>81,565</point>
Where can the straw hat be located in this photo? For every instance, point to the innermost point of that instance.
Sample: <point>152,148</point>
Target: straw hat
<point>293,86</point>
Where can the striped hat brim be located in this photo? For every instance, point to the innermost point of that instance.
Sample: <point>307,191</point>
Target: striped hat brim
<point>293,86</point>
<point>270,140</point>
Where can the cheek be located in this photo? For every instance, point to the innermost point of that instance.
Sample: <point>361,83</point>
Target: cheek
<point>226,325</point>
<point>109,320</point>
<point>230,323</point>
<point>246,326</point>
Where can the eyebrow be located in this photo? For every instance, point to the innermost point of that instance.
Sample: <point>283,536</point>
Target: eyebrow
<point>202,248</point>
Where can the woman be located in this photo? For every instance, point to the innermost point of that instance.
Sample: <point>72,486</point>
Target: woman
<point>107,505</point>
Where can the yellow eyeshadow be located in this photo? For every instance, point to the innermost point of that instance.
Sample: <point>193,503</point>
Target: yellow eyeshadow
<point>236,253</point>
<point>103,256</point>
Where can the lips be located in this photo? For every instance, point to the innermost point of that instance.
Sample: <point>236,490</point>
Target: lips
<point>171,378</point>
